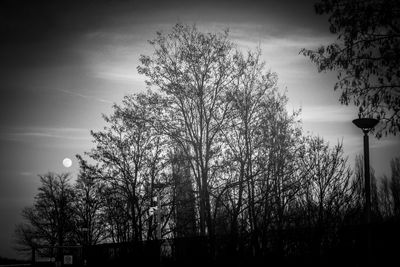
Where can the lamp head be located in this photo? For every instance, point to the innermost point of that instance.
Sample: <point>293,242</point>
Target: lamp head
<point>365,124</point>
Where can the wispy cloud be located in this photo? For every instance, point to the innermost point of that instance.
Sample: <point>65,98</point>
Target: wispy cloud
<point>22,134</point>
<point>249,34</point>
<point>27,173</point>
<point>387,142</point>
<point>84,96</point>
<point>114,62</point>
<point>121,76</point>
<point>327,113</point>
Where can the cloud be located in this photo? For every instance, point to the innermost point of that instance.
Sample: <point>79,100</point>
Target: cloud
<point>26,173</point>
<point>84,96</point>
<point>387,142</point>
<point>22,134</point>
<point>120,76</point>
<point>273,34</point>
<point>326,113</point>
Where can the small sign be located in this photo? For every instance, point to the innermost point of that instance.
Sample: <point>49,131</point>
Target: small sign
<point>68,259</point>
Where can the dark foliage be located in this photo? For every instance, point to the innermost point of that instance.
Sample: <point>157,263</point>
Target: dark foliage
<point>366,57</point>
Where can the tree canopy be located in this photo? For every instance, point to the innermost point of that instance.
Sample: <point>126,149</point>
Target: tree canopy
<point>366,57</point>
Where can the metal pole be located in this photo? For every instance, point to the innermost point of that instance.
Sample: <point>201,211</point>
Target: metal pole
<point>367,196</point>
<point>367,179</point>
<point>367,124</point>
<point>158,215</point>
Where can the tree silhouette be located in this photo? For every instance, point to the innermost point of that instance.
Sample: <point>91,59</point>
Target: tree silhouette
<point>327,192</point>
<point>50,221</point>
<point>358,192</point>
<point>366,56</point>
<point>395,185</point>
<point>194,71</point>
<point>129,158</point>
<point>89,206</point>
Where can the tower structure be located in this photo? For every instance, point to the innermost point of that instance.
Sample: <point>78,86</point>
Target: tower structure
<point>184,195</point>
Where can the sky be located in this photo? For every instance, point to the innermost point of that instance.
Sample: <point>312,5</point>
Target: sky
<point>64,63</point>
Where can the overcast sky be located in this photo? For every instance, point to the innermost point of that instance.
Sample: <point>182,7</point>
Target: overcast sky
<point>63,64</point>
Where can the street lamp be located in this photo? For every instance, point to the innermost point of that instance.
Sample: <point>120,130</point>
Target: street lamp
<point>366,125</point>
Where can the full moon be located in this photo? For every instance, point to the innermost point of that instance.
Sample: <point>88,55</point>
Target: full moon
<point>67,162</point>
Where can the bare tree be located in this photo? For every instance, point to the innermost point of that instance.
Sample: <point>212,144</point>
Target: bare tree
<point>282,176</point>
<point>385,198</point>
<point>253,88</point>
<point>395,185</point>
<point>128,155</point>
<point>389,192</point>
<point>50,221</point>
<point>193,70</point>
<point>327,183</point>
<point>90,225</point>
<point>358,193</point>
<point>326,193</point>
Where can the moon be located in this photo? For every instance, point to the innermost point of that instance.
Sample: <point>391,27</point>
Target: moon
<point>67,162</point>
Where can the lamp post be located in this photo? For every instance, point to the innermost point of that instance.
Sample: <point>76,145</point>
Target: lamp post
<point>366,125</point>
